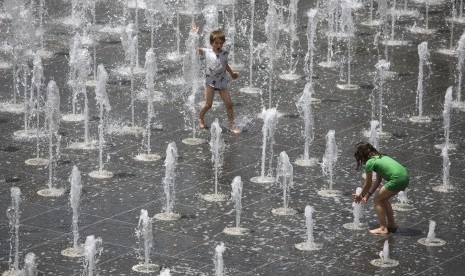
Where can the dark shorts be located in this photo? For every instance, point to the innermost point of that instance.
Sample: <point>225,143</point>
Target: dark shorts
<point>397,184</point>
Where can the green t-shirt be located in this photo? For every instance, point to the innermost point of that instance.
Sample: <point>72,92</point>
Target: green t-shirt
<point>386,167</point>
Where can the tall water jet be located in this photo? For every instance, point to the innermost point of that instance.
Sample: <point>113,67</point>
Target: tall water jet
<point>458,103</point>
<point>231,35</point>
<point>236,197</point>
<point>92,250</point>
<point>270,120</point>
<point>130,42</point>
<point>75,65</point>
<point>156,14</point>
<point>446,121</point>
<point>169,184</point>
<point>101,97</point>
<point>210,13</point>
<point>309,244</point>
<point>30,103</point>
<point>145,236</point>
<point>382,67</point>
<point>446,187</point>
<point>77,250</point>
<point>328,165</point>
<point>13,213</point>
<point>331,7</point>
<point>311,30</point>
<point>37,99</point>
<point>285,179</point>
<point>191,70</point>
<point>52,118</point>
<point>371,22</point>
<point>150,74</point>
<point>423,30</point>
<point>304,105</point>
<point>423,55</point>
<point>294,43</point>
<point>431,239</point>
<point>82,70</point>
<point>450,51</point>
<point>250,89</point>
<point>30,265</point>
<point>347,27</point>
<point>373,135</point>
<point>384,260</point>
<point>392,41</point>
<point>218,259</point>
<point>217,147</point>
<point>176,55</point>
<point>357,211</point>
<point>272,35</point>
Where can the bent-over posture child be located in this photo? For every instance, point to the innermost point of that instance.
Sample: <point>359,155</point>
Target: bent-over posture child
<point>216,60</point>
<point>395,175</point>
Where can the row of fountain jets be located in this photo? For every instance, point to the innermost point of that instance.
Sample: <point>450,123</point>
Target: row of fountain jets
<point>340,25</point>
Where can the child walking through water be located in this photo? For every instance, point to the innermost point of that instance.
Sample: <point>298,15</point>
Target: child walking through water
<point>216,60</point>
<point>392,172</point>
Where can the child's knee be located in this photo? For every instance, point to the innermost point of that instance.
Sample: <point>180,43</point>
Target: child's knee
<point>207,106</point>
<point>229,105</point>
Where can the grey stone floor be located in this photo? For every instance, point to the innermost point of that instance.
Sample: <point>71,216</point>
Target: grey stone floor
<point>110,208</point>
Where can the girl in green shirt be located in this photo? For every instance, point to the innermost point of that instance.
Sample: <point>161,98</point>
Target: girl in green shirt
<point>396,180</point>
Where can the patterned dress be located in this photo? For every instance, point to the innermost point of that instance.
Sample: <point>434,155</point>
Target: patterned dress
<point>215,72</point>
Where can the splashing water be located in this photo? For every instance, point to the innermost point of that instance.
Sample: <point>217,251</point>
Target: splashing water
<point>460,62</point>
<point>170,176</point>
<point>311,29</point>
<point>218,260</point>
<point>423,54</point>
<point>52,118</point>
<point>431,239</point>
<point>285,177</point>
<point>304,105</point>
<point>270,120</point>
<point>294,43</point>
<point>145,236</point>
<point>92,250</point>
<point>103,102</point>
<point>236,196</point>
<point>30,266</point>
<point>381,68</point>
<point>13,214</point>
<point>309,244</point>
<point>373,139</point>
<point>74,198</point>
<point>191,71</point>
<point>330,158</point>
<point>217,147</point>
<point>272,35</point>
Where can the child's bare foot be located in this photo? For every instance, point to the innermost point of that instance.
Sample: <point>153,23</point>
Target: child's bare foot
<point>379,231</point>
<point>202,124</point>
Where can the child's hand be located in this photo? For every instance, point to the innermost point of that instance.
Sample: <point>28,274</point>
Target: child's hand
<point>194,28</point>
<point>357,198</point>
<point>234,75</point>
<point>364,200</point>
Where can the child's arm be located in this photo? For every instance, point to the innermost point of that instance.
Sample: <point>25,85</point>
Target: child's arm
<point>195,30</point>
<point>371,190</point>
<point>234,75</point>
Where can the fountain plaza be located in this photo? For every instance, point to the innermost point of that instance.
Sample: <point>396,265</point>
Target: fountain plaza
<point>110,208</point>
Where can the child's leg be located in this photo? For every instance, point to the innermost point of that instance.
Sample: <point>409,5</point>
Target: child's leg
<point>209,95</point>
<point>381,199</point>
<point>389,214</point>
<point>226,97</point>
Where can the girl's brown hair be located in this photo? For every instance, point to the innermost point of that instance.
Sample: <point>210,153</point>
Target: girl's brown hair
<point>363,152</point>
<point>217,34</point>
